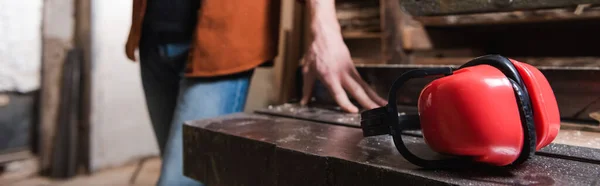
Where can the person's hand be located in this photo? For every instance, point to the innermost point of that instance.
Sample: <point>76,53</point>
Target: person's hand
<point>328,60</point>
<point>130,50</point>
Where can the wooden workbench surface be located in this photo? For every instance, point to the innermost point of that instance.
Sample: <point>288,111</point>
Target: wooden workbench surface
<point>259,149</point>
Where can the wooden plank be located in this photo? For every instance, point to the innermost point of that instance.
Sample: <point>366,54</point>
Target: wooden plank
<point>367,17</point>
<point>414,35</point>
<point>595,115</point>
<point>579,127</point>
<point>588,62</point>
<point>455,52</point>
<point>58,38</point>
<point>570,39</point>
<point>574,134</point>
<point>368,49</point>
<point>533,16</point>
<point>391,26</point>
<point>570,152</point>
<point>360,35</point>
<point>360,61</point>
<point>579,138</point>
<point>251,163</point>
<point>286,64</point>
<point>442,7</point>
<point>66,38</point>
<point>576,88</point>
<point>357,16</point>
<point>591,62</point>
<point>402,34</point>
<point>83,42</point>
<point>440,61</point>
<point>349,158</point>
<point>65,152</point>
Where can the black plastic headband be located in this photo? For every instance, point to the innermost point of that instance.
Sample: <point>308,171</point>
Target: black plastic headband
<point>385,120</point>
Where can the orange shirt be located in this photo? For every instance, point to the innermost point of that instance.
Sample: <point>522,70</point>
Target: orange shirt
<point>231,36</point>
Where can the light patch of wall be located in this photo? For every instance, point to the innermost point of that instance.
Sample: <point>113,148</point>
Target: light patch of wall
<point>20,45</point>
<point>260,93</point>
<point>120,127</point>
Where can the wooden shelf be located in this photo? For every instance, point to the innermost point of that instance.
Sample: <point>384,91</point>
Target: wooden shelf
<point>360,61</point>
<point>566,62</point>
<point>577,63</point>
<point>359,19</point>
<point>360,35</point>
<point>436,7</point>
<point>562,14</point>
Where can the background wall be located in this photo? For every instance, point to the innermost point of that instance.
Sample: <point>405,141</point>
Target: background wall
<point>261,91</point>
<point>120,126</point>
<point>20,45</point>
<point>20,61</point>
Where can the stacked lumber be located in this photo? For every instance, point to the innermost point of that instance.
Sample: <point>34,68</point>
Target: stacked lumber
<point>358,16</point>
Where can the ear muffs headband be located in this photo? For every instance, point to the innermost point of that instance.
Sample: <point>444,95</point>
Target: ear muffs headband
<point>385,120</point>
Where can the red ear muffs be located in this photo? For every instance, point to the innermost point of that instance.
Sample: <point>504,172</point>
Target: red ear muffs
<point>491,110</point>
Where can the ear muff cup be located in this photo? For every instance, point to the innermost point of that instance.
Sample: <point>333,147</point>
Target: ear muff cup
<point>523,100</point>
<point>454,118</point>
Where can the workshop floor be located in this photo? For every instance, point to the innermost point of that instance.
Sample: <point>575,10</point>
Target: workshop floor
<point>144,172</point>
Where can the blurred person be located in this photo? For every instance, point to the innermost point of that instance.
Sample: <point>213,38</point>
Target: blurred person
<point>197,58</point>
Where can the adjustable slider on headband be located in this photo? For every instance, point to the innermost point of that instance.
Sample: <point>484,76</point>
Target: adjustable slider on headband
<point>377,121</point>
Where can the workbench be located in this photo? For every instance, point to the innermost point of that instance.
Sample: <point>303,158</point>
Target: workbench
<point>295,145</point>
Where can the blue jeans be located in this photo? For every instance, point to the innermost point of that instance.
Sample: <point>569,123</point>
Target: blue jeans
<point>173,99</point>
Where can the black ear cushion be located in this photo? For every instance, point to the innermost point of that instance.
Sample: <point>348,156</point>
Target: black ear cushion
<point>529,135</point>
